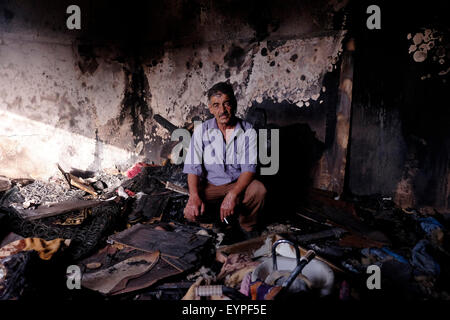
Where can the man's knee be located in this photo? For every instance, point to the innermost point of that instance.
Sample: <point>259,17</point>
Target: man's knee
<point>256,190</point>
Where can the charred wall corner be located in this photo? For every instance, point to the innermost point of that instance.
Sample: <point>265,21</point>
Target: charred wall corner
<point>399,140</point>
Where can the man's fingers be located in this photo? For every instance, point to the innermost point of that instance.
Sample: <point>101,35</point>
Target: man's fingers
<point>195,209</point>
<point>228,213</point>
<point>202,208</point>
<point>188,214</point>
<point>224,212</point>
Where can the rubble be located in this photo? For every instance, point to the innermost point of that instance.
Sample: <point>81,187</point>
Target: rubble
<point>41,192</point>
<point>204,273</point>
<point>133,242</point>
<point>5,184</point>
<point>79,183</point>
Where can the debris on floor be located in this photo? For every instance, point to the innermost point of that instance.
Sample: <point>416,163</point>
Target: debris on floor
<point>128,236</point>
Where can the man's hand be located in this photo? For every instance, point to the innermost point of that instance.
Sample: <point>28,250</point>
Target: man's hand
<point>228,205</point>
<point>194,208</point>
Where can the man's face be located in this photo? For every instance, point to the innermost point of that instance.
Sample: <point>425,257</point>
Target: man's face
<point>221,107</point>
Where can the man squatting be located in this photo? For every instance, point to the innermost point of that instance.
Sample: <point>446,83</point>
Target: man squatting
<point>221,179</point>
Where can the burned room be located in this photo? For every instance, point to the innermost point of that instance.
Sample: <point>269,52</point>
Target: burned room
<point>247,151</point>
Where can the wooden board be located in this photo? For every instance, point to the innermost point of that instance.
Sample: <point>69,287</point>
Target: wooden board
<point>332,165</point>
<point>45,211</point>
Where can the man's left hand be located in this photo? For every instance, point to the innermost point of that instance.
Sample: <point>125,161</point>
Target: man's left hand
<point>228,205</point>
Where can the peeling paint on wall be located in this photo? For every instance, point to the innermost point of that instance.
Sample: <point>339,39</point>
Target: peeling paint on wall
<point>430,45</point>
<point>91,84</point>
<point>290,70</point>
<point>422,43</point>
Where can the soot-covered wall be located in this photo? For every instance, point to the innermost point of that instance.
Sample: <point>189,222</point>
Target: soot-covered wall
<point>400,137</point>
<point>88,98</point>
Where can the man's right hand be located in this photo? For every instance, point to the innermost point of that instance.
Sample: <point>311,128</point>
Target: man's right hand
<point>194,208</point>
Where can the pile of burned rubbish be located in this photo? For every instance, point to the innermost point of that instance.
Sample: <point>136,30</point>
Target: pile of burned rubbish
<point>122,236</point>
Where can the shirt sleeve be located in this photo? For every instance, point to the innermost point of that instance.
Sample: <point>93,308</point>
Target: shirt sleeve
<point>193,161</point>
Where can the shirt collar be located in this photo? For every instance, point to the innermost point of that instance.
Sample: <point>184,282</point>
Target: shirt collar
<point>235,130</point>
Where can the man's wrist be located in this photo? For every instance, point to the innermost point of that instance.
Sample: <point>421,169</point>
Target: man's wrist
<point>233,192</point>
<point>194,195</point>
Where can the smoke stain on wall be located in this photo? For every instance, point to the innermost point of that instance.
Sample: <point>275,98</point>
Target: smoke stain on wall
<point>134,104</point>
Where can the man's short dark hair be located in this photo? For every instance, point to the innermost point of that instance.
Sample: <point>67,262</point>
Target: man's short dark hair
<point>224,88</point>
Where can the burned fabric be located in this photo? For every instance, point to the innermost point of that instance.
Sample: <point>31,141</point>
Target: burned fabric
<point>44,248</point>
<point>85,238</point>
